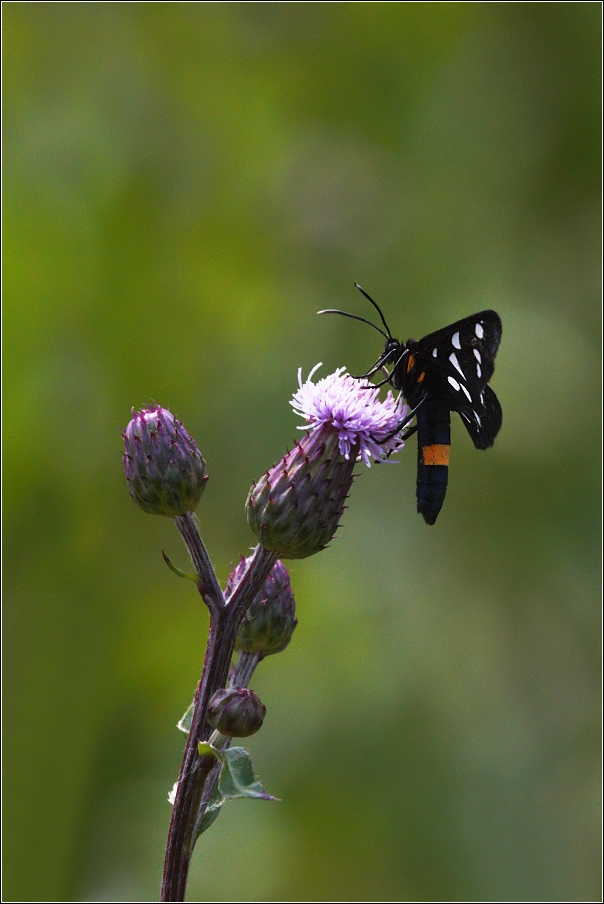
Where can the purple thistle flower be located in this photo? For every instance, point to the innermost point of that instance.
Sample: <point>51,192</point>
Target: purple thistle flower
<point>351,407</point>
<point>165,470</point>
<point>296,507</point>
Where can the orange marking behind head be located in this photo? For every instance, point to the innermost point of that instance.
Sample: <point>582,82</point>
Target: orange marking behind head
<point>410,363</point>
<point>421,376</point>
<point>437,454</point>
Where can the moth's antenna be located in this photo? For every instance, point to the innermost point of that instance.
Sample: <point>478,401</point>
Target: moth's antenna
<point>354,317</point>
<point>375,305</point>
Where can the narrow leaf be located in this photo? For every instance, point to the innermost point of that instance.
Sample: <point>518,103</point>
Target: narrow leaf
<point>185,722</point>
<point>181,574</point>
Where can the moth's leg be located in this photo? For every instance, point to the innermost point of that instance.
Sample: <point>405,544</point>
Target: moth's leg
<point>402,424</point>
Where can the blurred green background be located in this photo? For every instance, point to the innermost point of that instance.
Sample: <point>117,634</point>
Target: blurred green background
<point>185,185</point>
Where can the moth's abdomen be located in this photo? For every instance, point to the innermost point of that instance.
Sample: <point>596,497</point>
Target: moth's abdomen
<point>433,445</point>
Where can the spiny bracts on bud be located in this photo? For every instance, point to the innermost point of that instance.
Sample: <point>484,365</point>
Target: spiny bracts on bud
<point>165,470</point>
<point>236,712</point>
<point>270,621</point>
<point>295,508</point>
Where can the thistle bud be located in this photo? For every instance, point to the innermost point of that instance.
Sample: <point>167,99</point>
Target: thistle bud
<point>165,470</point>
<point>270,621</point>
<point>295,508</point>
<point>236,712</point>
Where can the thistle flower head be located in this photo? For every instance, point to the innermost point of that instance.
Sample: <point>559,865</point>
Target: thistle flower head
<point>270,620</point>
<point>165,470</point>
<point>353,409</point>
<point>295,508</point>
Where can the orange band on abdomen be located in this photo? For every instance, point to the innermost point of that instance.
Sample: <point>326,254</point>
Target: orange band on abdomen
<point>438,454</point>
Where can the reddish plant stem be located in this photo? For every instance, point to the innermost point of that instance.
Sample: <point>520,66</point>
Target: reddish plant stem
<point>225,619</point>
<point>195,769</point>
<point>241,677</point>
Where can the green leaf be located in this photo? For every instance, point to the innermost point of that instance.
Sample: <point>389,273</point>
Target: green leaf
<point>212,811</point>
<point>181,574</point>
<point>185,722</point>
<point>205,749</point>
<point>237,778</point>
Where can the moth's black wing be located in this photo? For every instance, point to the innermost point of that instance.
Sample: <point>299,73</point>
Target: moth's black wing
<point>483,434</point>
<point>459,361</point>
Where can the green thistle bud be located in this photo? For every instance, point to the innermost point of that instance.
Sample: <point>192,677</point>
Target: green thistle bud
<point>271,618</point>
<point>165,470</point>
<point>295,508</point>
<point>236,712</point>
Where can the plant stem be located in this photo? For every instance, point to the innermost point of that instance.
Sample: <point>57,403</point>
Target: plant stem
<point>246,664</point>
<point>195,769</point>
<point>208,585</point>
<point>225,618</point>
<point>244,670</point>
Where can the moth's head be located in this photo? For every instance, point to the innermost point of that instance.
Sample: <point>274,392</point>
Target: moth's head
<point>392,350</point>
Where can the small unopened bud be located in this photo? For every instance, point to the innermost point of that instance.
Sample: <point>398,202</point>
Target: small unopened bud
<point>270,621</point>
<point>236,712</point>
<point>165,470</point>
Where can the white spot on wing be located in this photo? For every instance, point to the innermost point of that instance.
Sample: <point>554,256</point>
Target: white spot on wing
<point>477,355</point>
<point>453,383</point>
<point>478,371</point>
<point>468,396</point>
<point>455,363</point>
<point>455,340</point>
<point>479,330</point>
<point>478,421</point>
<point>434,352</point>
